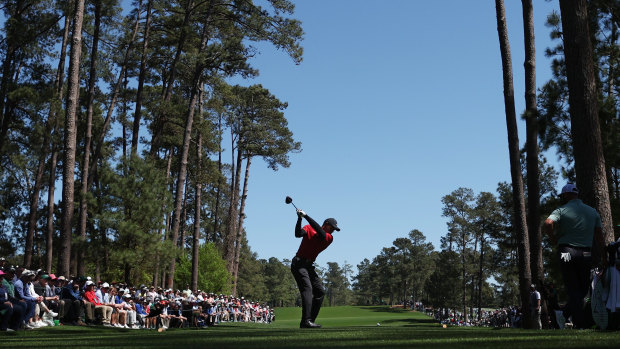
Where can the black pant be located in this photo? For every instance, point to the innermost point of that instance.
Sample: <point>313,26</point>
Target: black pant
<point>73,310</point>
<point>310,287</point>
<point>576,275</point>
<point>19,311</point>
<point>4,318</point>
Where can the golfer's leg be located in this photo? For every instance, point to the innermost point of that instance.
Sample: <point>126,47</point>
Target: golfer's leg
<point>571,285</point>
<point>305,289</point>
<point>318,294</point>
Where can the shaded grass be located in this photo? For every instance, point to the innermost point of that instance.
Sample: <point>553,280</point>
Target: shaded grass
<point>344,327</point>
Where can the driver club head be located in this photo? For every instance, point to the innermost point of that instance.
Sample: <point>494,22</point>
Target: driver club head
<point>289,200</point>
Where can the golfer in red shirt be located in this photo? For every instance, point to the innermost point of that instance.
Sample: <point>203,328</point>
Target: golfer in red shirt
<point>315,239</point>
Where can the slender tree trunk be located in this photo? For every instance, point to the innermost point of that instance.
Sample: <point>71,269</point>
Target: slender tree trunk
<point>161,120</point>
<point>583,101</point>
<point>92,80</point>
<point>116,92</point>
<point>480,278</point>
<point>218,189</point>
<point>142,75</point>
<point>240,224</point>
<point>7,74</point>
<point>164,231</point>
<point>70,137</point>
<point>231,225</point>
<point>34,205</point>
<point>519,223</point>
<point>464,281</point>
<point>531,146</point>
<point>53,114</point>
<point>196,83</point>
<point>50,210</point>
<point>196,242</point>
<point>181,242</point>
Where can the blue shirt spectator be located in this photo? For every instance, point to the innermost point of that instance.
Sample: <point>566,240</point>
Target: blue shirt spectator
<point>68,292</point>
<point>23,292</point>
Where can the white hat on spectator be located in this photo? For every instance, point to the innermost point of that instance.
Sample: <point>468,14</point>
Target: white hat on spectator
<point>105,285</point>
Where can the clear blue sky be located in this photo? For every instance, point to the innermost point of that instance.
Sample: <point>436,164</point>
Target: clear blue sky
<point>396,103</point>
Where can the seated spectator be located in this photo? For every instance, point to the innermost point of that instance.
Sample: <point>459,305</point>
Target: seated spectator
<point>118,316</point>
<point>73,303</point>
<point>22,291</point>
<point>6,307</point>
<point>174,313</point>
<point>42,288</point>
<point>130,308</point>
<point>19,307</point>
<point>104,311</point>
<point>140,311</point>
<point>154,317</point>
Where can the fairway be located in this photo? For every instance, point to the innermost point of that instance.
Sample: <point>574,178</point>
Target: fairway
<point>343,327</point>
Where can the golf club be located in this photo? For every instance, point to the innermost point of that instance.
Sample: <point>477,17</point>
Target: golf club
<point>289,200</point>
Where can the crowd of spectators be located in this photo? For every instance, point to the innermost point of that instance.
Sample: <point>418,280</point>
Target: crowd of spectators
<point>504,317</point>
<point>32,299</point>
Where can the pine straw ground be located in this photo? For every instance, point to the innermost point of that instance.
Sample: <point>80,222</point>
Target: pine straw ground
<point>343,327</point>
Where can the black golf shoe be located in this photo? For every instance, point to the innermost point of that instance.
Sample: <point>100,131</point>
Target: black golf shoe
<point>309,324</point>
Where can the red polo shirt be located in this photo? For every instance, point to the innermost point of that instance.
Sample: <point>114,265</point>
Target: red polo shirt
<point>91,297</point>
<point>312,244</point>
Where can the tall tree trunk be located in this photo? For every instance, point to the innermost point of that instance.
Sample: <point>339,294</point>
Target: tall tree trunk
<point>142,75</point>
<point>50,210</point>
<point>34,205</point>
<point>583,101</point>
<point>196,242</point>
<point>115,93</point>
<point>464,280</point>
<point>480,278</point>
<point>161,119</point>
<point>240,224</point>
<point>164,231</point>
<point>181,241</point>
<point>8,67</point>
<point>519,220</point>
<point>218,189</point>
<point>70,138</point>
<point>231,225</point>
<point>196,86</point>
<point>531,145</point>
<point>53,114</point>
<point>92,80</point>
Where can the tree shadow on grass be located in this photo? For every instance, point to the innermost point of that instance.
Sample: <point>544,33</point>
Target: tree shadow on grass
<point>411,322</point>
<point>386,309</point>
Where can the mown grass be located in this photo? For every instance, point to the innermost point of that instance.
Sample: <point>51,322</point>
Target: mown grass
<point>343,327</point>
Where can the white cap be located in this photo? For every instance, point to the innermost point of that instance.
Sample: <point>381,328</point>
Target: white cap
<point>570,188</point>
<point>105,284</point>
<point>88,283</point>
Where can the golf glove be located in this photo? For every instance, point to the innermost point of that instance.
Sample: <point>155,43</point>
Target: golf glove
<point>301,213</point>
<point>565,256</point>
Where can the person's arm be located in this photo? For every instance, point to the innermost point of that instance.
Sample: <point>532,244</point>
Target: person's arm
<point>299,232</point>
<point>548,228</point>
<point>316,227</point>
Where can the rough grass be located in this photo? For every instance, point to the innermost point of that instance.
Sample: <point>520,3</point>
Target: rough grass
<point>343,327</point>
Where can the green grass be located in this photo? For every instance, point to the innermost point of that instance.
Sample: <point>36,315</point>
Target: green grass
<point>343,327</point>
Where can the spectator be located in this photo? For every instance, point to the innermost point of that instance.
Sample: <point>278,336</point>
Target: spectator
<point>104,311</point>
<point>535,307</point>
<point>6,307</point>
<point>22,291</point>
<point>19,307</point>
<point>73,303</point>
